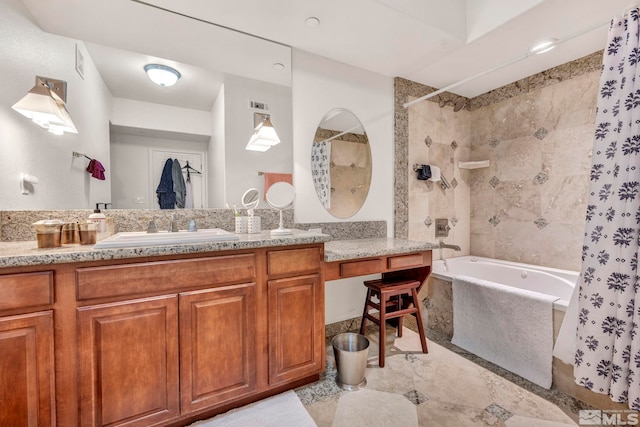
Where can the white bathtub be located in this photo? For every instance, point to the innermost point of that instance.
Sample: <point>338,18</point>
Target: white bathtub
<point>550,281</point>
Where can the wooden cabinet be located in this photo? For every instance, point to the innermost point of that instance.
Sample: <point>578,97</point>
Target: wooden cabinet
<point>295,294</point>
<point>158,341</point>
<point>27,379</point>
<point>162,341</point>
<point>296,328</point>
<point>27,370</point>
<point>129,362</point>
<point>217,345</point>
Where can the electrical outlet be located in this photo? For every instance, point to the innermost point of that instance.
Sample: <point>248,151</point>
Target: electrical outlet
<point>138,200</point>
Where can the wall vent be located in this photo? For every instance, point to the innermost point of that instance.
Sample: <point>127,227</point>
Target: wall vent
<point>256,105</point>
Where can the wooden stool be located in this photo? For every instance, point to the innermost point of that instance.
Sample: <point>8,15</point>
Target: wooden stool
<point>397,297</point>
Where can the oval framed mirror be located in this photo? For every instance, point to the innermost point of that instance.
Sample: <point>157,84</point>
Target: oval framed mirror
<point>280,196</point>
<point>341,163</point>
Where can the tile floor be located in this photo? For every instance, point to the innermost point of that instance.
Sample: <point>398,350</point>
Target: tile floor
<point>440,388</point>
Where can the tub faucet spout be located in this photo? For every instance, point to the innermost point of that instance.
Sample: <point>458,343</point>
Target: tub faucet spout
<point>445,246</point>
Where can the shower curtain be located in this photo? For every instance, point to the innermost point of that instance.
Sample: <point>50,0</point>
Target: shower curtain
<point>607,358</point>
<point>321,171</point>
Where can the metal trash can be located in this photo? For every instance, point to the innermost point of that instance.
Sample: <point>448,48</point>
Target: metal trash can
<point>351,351</point>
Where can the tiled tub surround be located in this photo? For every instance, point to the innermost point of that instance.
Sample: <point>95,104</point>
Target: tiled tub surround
<point>530,205</point>
<point>538,132</point>
<point>440,137</point>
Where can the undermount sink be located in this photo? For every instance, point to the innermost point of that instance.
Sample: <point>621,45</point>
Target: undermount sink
<point>142,238</point>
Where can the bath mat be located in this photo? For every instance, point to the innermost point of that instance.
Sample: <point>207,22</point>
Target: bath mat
<point>277,411</point>
<point>510,327</point>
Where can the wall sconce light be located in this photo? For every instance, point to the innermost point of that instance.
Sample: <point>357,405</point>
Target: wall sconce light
<point>162,75</point>
<point>264,136</point>
<point>45,106</point>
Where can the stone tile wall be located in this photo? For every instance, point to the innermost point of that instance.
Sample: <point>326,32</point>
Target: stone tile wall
<point>439,137</point>
<point>529,205</point>
<point>18,225</point>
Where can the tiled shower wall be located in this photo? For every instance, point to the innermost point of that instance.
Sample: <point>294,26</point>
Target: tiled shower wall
<point>439,137</point>
<point>529,205</point>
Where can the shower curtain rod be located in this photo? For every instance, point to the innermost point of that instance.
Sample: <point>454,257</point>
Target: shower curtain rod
<point>497,67</point>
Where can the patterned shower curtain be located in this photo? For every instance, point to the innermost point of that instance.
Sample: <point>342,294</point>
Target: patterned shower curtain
<point>320,169</point>
<point>607,358</point>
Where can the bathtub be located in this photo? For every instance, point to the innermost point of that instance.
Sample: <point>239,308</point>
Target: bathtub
<point>550,281</point>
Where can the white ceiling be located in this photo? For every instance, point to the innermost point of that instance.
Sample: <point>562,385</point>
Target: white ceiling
<point>433,42</point>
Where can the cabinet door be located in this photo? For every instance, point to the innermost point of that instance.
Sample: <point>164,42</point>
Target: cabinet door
<point>129,362</point>
<point>26,370</point>
<point>217,345</point>
<point>296,327</point>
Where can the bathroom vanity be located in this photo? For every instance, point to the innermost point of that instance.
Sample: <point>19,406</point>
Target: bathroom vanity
<point>157,335</point>
<point>166,335</point>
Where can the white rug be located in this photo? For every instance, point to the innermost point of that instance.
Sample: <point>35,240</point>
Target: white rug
<point>282,410</point>
<point>510,327</point>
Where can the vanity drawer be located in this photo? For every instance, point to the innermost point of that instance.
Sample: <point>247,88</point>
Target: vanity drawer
<point>293,262</point>
<point>26,290</point>
<point>360,268</point>
<point>164,276</point>
<point>405,261</point>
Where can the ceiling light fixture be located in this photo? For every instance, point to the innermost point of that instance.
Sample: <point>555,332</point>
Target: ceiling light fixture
<point>543,46</point>
<point>45,106</point>
<point>278,66</point>
<point>312,22</point>
<point>162,75</point>
<point>264,137</point>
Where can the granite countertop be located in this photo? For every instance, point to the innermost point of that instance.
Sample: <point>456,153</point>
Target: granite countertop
<point>340,250</point>
<point>26,253</point>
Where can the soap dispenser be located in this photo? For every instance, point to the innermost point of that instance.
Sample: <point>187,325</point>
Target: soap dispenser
<point>100,220</point>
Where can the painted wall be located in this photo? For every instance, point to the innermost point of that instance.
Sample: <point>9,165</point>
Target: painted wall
<point>216,152</point>
<point>242,165</point>
<point>158,117</point>
<point>130,156</point>
<point>25,147</point>
<point>320,85</point>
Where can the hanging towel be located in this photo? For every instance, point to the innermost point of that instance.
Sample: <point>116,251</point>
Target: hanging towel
<point>166,195</point>
<point>424,172</point>
<point>179,186</point>
<point>510,327</point>
<point>96,169</point>
<point>272,178</point>
<point>188,200</point>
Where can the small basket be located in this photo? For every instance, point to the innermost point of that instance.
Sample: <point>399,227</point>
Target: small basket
<point>241,224</point>
<point>253,224</point>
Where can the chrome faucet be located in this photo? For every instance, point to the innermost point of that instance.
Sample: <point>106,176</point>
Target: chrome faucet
<point>443,245</point>
<point>173,224</point>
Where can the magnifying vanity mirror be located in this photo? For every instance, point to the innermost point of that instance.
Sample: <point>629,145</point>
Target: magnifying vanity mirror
<point>250,200</point>
<point>280,196</point>
<point>341,163</point>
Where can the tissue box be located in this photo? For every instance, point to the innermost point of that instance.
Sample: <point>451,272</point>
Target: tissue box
<point>253,224</point>
<point>241,224</point>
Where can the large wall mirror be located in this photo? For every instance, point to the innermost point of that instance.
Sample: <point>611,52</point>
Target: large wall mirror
<point>341,163</point>
<point>124,120</point>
